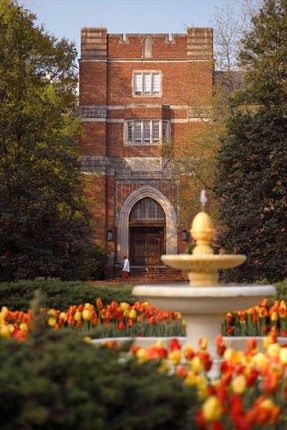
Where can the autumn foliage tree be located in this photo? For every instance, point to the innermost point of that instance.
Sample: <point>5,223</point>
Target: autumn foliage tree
<point>194,155</point>
<point>44,223</point>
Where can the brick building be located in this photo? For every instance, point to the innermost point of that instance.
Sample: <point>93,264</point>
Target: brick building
<point>138,93</point>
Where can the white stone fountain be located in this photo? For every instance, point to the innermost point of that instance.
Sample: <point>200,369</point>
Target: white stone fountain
<point>203,302</point>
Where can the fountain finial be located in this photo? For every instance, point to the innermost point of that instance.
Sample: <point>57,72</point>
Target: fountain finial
<point>202,229</point>
<point>202,267</point>
<point>203,199</point>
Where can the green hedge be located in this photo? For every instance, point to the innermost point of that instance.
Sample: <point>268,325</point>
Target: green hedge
<point>57,381</point>
<point>60,294</point>
<point>281,290</point>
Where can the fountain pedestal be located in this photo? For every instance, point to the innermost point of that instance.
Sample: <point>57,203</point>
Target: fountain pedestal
<point>203,302</point>
<point>203,308</point>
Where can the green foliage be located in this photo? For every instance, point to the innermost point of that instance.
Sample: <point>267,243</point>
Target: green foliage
<point>45,227</point>
<point>55,380</point>
<point>60,294</point>
<point>281,288</point>
<point>252,187</point>
<point>264,56</point>
<point>160,329</point>
<point>251,183</point>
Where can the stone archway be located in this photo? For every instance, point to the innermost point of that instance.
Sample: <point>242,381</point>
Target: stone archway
<point>170,215</point>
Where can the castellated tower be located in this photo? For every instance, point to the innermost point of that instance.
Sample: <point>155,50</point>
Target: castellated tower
<point>137,94</point>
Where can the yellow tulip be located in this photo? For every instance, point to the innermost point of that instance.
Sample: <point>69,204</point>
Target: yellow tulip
<point>124,306</point>
<point>267,403</point>
<point>196,365</point>
<point>259,360</point>
<point>63,316</point>
<point>228,354</point>
<point>52,321</point>
<point>203,343</point>
<point>126,313</point>
<point>86,314</point>
<point>212,409</point>
<point>190,378</point>
<point>239,384</point>
<point>5,331</point>
<point>283,355</point>
<point>274,316</point>
<point>78,316</point>
<point>24,327</point>
<point>267,340</point>
<point>132,314</point>
<point>175,356</point>
<point>273,350</point>
<point>141,355</point>
<point>88,306</point>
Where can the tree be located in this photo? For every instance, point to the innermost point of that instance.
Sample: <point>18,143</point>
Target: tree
<point>44,222</point>
<point>194,156</point>
<point>252,181</point>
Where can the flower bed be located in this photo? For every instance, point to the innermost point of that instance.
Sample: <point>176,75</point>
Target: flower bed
<point>249,393</point>
<point>114,319</point>
<point>142,319</point>
<point>258,320</point>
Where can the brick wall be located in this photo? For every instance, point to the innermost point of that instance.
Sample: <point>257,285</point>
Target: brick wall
<point>107,63</point>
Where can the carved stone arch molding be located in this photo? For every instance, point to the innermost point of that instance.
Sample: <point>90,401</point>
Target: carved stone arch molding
<point>170,216</point>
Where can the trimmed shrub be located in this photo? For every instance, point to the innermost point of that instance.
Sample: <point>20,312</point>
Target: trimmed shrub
<point>57,381</point>
<point>60,294</point>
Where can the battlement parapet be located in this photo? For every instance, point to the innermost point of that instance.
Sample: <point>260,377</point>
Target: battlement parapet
<point>196,44</point>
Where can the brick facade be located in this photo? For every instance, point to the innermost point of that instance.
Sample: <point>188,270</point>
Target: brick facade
<point>137,93</point>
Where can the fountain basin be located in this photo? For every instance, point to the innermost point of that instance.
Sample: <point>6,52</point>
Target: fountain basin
<point>203,262</point>
<point>198,300</point>
<point>203,308</point>
<point>203,302</point>
<point>202,269</point>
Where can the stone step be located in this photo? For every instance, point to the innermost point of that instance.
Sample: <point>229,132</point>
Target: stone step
<point>155,273</point>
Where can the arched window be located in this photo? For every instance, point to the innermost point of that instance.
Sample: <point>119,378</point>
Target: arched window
<point>146,210</point>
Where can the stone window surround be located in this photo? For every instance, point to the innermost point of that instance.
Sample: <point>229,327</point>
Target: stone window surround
<point>170,216</point>
<point>163,132</point>
<point>152,92</point>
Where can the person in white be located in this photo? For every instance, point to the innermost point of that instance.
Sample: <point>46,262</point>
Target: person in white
<point>126,269</point>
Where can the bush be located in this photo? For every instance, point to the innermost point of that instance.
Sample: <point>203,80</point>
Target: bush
<point>56,381</point>
<point>92,268</point>
<point>281,288</point>
<point>60,294</point>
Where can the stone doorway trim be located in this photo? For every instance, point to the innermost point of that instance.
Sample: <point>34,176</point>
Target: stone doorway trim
<point>170,216</point>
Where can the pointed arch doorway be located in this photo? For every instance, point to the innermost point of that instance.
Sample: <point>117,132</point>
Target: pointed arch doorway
<point>123,243</point>
<point>147,226</point>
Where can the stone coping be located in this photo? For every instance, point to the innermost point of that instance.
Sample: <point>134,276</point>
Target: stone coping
<point>235,342</point>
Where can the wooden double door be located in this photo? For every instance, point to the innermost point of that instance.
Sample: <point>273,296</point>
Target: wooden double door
<point>147,244</point>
